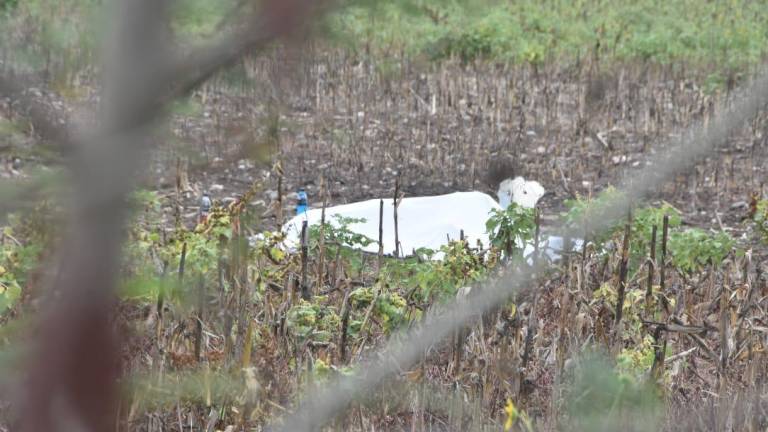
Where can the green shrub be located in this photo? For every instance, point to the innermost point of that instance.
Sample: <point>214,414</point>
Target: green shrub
<point>390,309</point>
<point>582,211</point>
<point>600,398</point>
<point>510,229</point>
<point>694,248</point>
<point>760,218</point>
<point>727,35</point>
<point>312,320</point>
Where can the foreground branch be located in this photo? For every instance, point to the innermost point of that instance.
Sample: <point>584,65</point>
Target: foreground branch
<point>72,380</point>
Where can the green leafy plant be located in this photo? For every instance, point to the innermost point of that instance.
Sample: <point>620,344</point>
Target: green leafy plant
<point>582,209</point>
<point>643,222</point>
<point>324,371</point>
<point>340,232</point>
<point>598,397</point>
<point>10,290</point>
<point>635,360</point>
<point>23,243</point>
<point>427,280</point>
<point>439,280</point>
<point>511,228</point>
<point>269,246</point>
<point>311,320</point>
<point>760,217</point>
<point>645,218</point>
<point>633,311</point>
<point>390,309</point>
<point>693,249</point>
<point>341,239</point>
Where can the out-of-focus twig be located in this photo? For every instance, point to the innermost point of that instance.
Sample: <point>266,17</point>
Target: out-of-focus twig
<point>75,365</point>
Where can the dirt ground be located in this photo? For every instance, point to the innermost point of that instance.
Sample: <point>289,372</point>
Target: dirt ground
<point>351,128</point>
<point>345,128</point>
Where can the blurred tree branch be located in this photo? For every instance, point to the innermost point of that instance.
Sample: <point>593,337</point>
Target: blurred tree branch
<point>73,373</point>
<point>170,80</point>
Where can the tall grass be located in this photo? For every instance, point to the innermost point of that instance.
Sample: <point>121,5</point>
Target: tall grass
<point>60,37</point>
<point>730,34</point>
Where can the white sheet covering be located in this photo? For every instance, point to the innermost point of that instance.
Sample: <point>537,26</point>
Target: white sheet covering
<point>423,222</point>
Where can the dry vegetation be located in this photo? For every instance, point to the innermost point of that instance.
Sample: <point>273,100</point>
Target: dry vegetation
<point>575,130</point>
<point>348,130</point>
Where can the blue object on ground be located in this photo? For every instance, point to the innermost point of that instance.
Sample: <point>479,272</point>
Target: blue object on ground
<point>205,207</point>
<point>205,203</point>
<point>301,204</point>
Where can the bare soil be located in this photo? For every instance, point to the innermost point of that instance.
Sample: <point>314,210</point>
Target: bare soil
<point>350,127</point>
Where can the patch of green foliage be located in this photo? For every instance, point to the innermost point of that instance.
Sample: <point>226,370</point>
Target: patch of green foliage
<point>8,5</point>
<point>636,358</point>
<point>459,267</point>
<point>340,239</point>
<point>725,34</point>
<point>645,219</point>
<point>390,309</point>
<point>58,36</point>
<point>632,307</point>
<point>582,210</point>
<point>694,248</point>
<point>149,249</point>
<point>313,320</point>
<point>598,397</point>
<point>689,249</point>
<point>189,107</point>
<point>323,371</point>
<point>511,228</point>
<point>641,231</point>
<point>428,279</point>
<point>23,242</point>
<point>143,242</point>
<point>63,36</point>
<point>340,233</point>
<point>199,19</point>
<point>760,218</point>
<point>11,132</point>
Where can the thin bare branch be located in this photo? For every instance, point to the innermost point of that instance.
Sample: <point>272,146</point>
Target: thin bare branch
<point>76,360</point>
<point>274,20</point>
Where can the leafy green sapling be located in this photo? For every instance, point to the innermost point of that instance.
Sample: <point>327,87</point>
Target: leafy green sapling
<point>511,228</point>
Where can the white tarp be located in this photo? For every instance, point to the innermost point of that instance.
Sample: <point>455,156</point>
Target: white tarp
<point>428,222</point>
<point>423,222</point>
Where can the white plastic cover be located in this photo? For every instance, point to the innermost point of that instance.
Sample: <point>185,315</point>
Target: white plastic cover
<point>423,222</point>
<point>429,222</point>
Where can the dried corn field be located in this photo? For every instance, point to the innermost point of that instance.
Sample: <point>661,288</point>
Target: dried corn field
<point>348,130</point>
<point>656,323</point>
<point>359,124</point>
